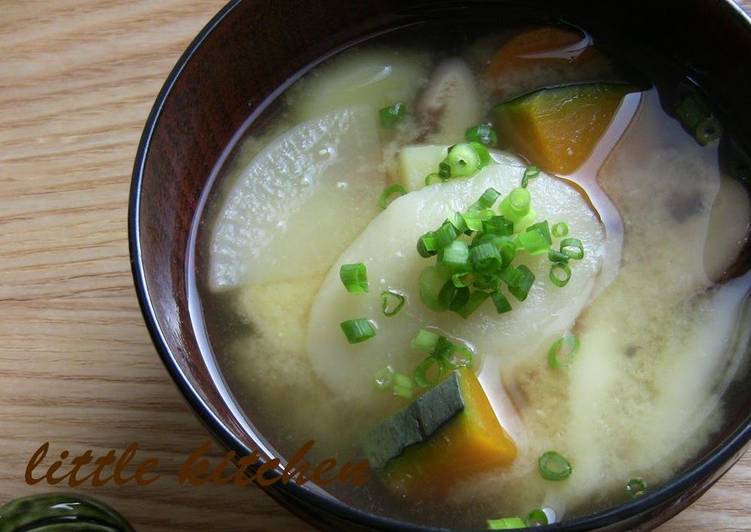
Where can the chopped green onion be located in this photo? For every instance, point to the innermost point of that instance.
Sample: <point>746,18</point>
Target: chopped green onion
<point>498,225</point>
<point>507,248</point>
<point>432,179</point>
<point>556,256</point>
<point>563,352</point>
<point>445,234</point>
<point>692,110</point>
<point>354,277</point>
<point>487,281</point>
<point>537,517</point>
<point>708,130</point>
<point>461,357</point>
<point>457,220</point>
<point>536,239</point>
<point>444,348</point>
<point>385,198</point>
<point>432,280</point>
<point>427,246</point>
<point>425,341</point>
<point>530,173</point>
<point>487,200</point>
<point>473,220</point>
<point>383,378</point>
<point>560,274</point>
<point>553,466</point>
<point>481,152</point>
<point>483,133</point>
<point>462,160</point>
<point>572,247</point>
<point>476,298</point>
<point>522,282</point>
<point>429,372</point>
<point>444,170</point>
<point>516,205</point>
<point>636,487</point>
<point>455,256</point>
<point>507,523</point>
<point>358,330</point>
<point>461,279</point>
<point>402,386</point>
<point>453,297</point>
<point>391,302</point>
<point>500,301</point>
<point>560,230</point>
<point>485,256</point>
<point>392,115</point>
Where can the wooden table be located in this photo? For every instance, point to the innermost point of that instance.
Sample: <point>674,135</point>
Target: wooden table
<point>77,368</point>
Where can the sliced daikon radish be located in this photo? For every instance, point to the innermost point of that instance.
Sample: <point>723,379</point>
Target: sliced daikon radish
<point>416,162</point>
<point>451,103</point>
<point>387,247</point>
<point>299,203</point>
<point>375,78</point>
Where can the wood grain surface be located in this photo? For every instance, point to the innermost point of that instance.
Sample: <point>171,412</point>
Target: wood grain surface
<point>77,368</point>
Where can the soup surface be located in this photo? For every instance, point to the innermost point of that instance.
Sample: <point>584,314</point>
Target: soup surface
<point>508,270</point>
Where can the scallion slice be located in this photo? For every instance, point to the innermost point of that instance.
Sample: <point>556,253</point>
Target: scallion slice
<point>476,298</point>
<point>460,357</point>
<point>391,302</point>
<point>523,280</point>
<point>483,133</point>
<point>386,196</point>
<point>358,330</point>
<point>560,229</point>
<point>553,466</point>
<point>485,256</point>
<point>498,225</point>
<point>516,205</point>
<point>462,160</point>
<point>429,372</point>
<point>487,200</point>
<point>500,301</point>
<point>445,234</point>
<point>427,246</point>
<point>487,281</point>
<point>402,386</point>
<point>563,352</point>
<point>354,277</point>
<point>536,239</point>
<point>461,279</point>
<point>455,256</point>
<point>457,220</point>
<point>425,341</point>
<point>391,115</point>
<point>453,297</point>
<point>556,256</point>
<point>572,247</point>
<point>482,152</point>
<point>384,378</point>
<point>537,517</point>
<point>560,274</point>
<point>636,487</point>
<point>530,173</point>
<point>507,523</point>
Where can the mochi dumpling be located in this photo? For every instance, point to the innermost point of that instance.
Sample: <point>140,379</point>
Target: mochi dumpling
<point>300,202</point>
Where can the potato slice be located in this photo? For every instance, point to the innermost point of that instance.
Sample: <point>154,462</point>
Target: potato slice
<point>299,202</point>
<point>416,162</point>
<point>387,247</point>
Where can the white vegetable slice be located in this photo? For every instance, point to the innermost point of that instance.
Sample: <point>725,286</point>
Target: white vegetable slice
<point>451,103</point>
<point>299,202</point>
<point>375,78</point>
<point>416,162</point>
<point>387,247</point>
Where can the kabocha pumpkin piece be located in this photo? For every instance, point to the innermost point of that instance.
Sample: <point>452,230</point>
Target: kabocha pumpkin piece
<point>447,435</point>
<point>61,511</point>
<point>542,57</point>
<point>557,129</point>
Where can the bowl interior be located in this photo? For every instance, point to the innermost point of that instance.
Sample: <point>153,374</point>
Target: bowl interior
<point>252,50</point>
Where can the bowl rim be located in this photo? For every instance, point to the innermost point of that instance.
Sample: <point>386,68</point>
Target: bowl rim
<point>723,454</point>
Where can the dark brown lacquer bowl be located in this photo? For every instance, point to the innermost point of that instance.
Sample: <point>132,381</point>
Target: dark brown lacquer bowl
<point>245,57</point>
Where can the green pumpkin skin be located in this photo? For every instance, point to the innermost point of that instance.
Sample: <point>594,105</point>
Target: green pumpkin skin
<point>60,512</point>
